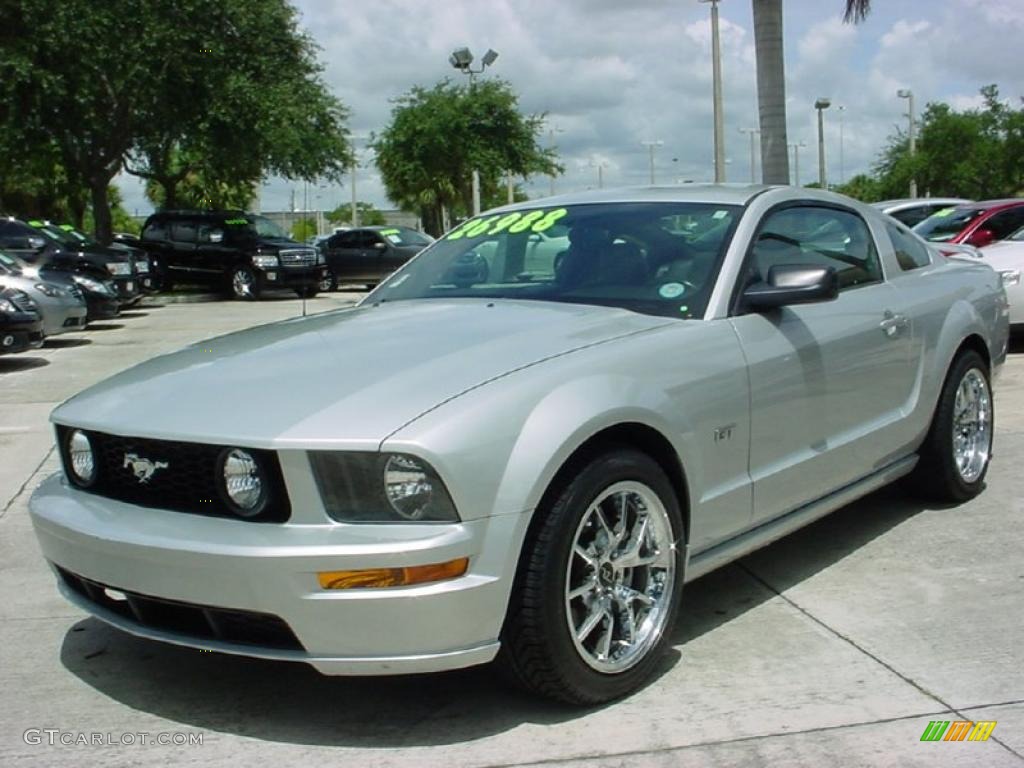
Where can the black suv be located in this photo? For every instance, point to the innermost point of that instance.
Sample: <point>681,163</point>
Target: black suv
<point>242,253</point>
<point>48,247</point>
<point>21,325</point>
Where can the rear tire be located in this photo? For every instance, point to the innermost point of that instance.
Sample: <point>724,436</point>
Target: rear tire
<point>955,456</point>
<point>598,585</point>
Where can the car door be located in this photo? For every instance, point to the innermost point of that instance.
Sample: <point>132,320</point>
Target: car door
<point>181,247</point>
<point>342,255</point>
<point>826,378</point>
<point>375,255</point>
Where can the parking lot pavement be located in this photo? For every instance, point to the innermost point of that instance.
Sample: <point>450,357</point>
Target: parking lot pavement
<point>835,646</point>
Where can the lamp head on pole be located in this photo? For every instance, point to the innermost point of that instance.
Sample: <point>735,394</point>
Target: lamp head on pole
<point>823,103</point>
<point>904,93</point>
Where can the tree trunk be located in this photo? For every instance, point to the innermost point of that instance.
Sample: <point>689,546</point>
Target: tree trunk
<point>771,90</point>
<point>103,228</point>
<point>170,187</point>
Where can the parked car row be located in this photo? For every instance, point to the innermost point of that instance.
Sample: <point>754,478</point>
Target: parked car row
<point>245,254</point>
<point>990,230</point>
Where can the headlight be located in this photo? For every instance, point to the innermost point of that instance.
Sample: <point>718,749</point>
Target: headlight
<point>94,285</point>
<point>48,290</point>
<point>265,261</point>
<point>6,306</point>
<point>81,463</point>
<point>242,482</point>
<point>359,487</point>
<point>119,267</point>
<point>1010,277</point>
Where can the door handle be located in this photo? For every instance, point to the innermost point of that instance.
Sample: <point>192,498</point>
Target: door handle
<point>893,324</point>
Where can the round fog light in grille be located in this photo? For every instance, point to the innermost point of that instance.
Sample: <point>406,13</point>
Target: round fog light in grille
<point>81,460</point>
<point>243,482</point>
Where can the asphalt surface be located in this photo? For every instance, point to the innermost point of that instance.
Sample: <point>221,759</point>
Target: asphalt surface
<point>836,646</point>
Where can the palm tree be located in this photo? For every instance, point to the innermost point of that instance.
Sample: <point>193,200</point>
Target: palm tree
<point>771,83</point>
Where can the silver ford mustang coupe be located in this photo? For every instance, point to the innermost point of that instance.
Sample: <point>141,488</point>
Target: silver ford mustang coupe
<point>525,441</point>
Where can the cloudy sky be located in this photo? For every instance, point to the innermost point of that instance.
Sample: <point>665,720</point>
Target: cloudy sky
<point>611,75</point>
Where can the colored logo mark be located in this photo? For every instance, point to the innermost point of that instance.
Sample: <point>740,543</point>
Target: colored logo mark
<point>958,730</point>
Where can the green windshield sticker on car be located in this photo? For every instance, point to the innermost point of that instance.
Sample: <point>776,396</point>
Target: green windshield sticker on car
<point>389,231</point>
<point>35,223</point>
<point>944,213</point>
<point>537,221</point>
<point>236,221</point>
<point>66,227</point>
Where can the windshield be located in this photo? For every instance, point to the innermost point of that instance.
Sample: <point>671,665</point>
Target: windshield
<point>654,258</point>
<point>74,233</point>
<point>268,229</point>
<point>946,224</point>
<point>402,237</point>
<point>53,232</point>
<point>10,265</point>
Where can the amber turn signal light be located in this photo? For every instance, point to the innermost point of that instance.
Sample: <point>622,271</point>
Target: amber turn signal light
<point>375,578</point>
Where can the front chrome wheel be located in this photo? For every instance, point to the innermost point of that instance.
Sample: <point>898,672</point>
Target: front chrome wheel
<point>243,283</point>
<point>620,577</point>
<point>972,425</point>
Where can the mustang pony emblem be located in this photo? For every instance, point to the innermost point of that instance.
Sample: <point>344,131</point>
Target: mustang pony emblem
<point>142,468</point>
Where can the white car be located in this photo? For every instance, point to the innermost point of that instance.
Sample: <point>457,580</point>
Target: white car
<point>1007,258</point>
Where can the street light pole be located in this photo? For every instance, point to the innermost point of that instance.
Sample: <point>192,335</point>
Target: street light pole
<point>551,145</point>
<point>842,160</point>
<point>716,77</point>
<point>905,93</point>
<point>462,60</point>
<point>650,146</point>
<point>796,162</point>
<point>753,151</point>
<point>821,105</point>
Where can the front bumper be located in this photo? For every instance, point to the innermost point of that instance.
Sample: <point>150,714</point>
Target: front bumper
<point>21,338</point>
<point>101,307</point>
<point>60,316</point>
<point>291,277</point>
<point>128,289</point>
<point>270,569</point>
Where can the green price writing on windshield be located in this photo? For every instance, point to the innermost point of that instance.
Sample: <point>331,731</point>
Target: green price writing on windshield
<point>514,223</point>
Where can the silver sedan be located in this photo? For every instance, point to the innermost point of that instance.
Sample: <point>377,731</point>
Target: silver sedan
<point>525,441</point>
<point>1007,258</point>
<point>61,305</point>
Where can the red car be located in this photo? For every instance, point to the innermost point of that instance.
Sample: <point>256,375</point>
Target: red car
<point>976,224</point>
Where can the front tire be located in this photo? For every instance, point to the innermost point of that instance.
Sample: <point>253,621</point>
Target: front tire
<point>244,285</point>
<point>599,582</point>
<point>955,456</point>
<point>328,282</point>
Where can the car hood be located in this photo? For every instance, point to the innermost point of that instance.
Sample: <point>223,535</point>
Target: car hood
<point>345,379</point>
<point>1006,253</point>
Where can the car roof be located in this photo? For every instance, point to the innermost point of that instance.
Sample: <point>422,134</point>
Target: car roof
<point>913,202</point>
<point>724,194</point>
<point>991,205</point>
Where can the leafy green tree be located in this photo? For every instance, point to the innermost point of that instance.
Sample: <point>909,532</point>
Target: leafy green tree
<point>369,216</point>
<point>438,136</point>
<point>975,153</point>
<point>303,229</point>
<point>121,220</point>
<point>197,190</point>
<point>230,83</point>
<point>862,187</point>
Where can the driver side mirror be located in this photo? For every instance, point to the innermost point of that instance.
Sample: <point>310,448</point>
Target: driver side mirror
<point>792,284</point>
<point>379,246</point>
<point>215,236</point>
<point>981,237</point>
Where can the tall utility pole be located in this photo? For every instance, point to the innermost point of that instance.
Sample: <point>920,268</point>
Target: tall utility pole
<point>753,151</point>
<point>796,162</point>
<point>716,77</point>
<point>511,187</point>
<point>650,146</point>
<point>462,60</point>
<point>821,105</point>
<point>551,145</point>
<point>842,160</point>
<point>907,94</point>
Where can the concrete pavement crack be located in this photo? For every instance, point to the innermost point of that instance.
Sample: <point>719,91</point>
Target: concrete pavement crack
<point>757,737</point>
<point>24,485</point>
<point>874,657</point>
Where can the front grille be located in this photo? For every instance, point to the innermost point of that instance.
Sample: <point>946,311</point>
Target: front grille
<point>188,483</point>
<point>296,257</point>
<point>22,301</point>
<point>202,622</point>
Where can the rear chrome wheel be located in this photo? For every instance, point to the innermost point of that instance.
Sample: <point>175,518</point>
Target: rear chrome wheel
<point>955,455</point>
<point>972,425</point>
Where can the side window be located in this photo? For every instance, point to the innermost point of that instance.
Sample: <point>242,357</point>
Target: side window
<point>371,239</point>
<point>824,237</point>
<point>210,233</point>
<point>913,216</point>
<point>155,230</point>
<point>911,253</point>
<point>348,240</point>
<point>1005,223</point>
<point>183,232</point>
